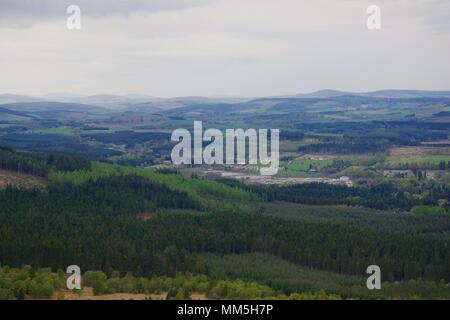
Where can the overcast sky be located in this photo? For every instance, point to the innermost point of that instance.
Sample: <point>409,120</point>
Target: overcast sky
<point>222,47</point>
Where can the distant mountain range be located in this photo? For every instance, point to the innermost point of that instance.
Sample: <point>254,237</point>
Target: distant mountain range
<point>403,94</point>
<point>137,101</point>
<point>14,98</point>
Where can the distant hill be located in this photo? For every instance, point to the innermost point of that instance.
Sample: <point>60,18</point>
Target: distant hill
<point>7,114</point>
<point>408,94</point>
<point>42,106</point>
<point>14,98</point>
<point>325,94</point>
<point>337,102</point>
<point>109,101</point>
<point>16,113</point>
<point>377,94</point>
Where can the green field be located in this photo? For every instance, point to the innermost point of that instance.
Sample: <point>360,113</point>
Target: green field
<point>58,131</point>
<point>305,165</point>
<point>71,131</point>
<point>292,146</point>
<point>422,161</point>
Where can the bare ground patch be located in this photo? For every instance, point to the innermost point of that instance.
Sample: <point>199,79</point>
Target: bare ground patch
<point>19,179</point>
<point>88,294</point>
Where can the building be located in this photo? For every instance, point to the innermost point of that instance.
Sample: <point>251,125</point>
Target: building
<point>399,173</point>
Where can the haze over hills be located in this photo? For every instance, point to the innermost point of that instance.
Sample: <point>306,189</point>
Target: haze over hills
<point>13,98</point>
<point>112,100</point>
<point>40,106</point>
<point>117,102</point>
<point>7,114</point>
<point>389,93</point>
<point>330,104</point>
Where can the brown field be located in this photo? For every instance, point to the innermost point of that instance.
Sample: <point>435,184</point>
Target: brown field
<point>87,294</point>
<point>309,156</point>
<point>329,156</point>
<point>411,151</point>
<point>19,179</point>
<point>441,142</point>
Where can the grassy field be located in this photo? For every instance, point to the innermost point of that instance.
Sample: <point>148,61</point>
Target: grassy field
<point>419,160</point>
<point>292,146</point>
<point>97,131</point>
<point>58,131</point>
<point>305,165</point>
<point>70,132</point>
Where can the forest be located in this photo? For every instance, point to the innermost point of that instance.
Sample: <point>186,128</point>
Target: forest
<point>382,196</point>
<point>40,165</point>
<point>153,224</point>
<point>121,222</point>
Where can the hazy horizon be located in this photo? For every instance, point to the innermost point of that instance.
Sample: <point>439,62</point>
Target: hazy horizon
<point>70,95</point>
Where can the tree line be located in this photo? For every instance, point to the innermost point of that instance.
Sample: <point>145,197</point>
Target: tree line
<point>381,196</point>
<point>40,165</point>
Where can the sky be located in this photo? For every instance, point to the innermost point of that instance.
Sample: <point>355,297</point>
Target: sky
<point>169,48</point>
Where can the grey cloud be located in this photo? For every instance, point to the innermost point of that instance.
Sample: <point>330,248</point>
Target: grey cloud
<point>437,17</point>
<point>238,47</point>
<point>29,12</point>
